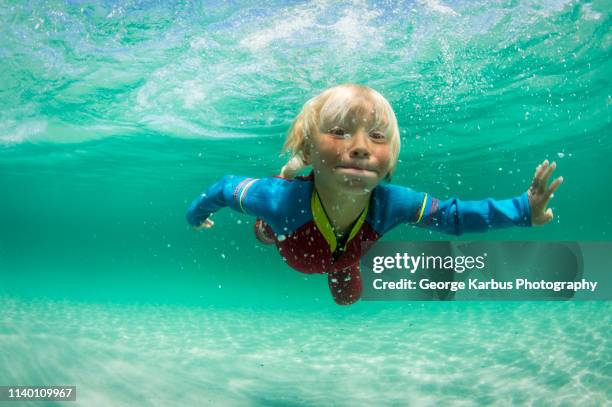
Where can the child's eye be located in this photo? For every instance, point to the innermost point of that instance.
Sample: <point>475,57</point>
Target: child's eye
<point>377,136</point>
<point>338,131</point>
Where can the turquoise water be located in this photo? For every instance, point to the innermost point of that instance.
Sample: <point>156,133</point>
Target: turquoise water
<point>114,116</point>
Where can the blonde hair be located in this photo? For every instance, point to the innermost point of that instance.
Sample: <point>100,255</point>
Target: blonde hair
<point>334,104</point>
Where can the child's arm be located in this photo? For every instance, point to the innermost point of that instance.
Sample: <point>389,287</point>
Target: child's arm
<point>454,216</point>
<point>258,197</point>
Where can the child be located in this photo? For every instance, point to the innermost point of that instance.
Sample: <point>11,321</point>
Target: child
<point>349,135</point>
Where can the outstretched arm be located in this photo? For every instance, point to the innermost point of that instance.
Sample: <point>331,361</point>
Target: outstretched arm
<point>399,204</point>
<point>258,197</point>
<point>454,216</point>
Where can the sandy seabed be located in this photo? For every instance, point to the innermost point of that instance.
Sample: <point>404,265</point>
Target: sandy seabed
<point>404,354</point>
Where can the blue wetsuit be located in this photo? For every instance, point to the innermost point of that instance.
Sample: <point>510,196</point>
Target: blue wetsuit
<point>295,217</point>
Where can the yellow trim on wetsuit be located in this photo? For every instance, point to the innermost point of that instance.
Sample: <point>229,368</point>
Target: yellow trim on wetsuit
<point>422,208</point>
<point>325,227</point>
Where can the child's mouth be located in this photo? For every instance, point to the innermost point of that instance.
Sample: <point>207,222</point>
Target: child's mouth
<point>355,170</point>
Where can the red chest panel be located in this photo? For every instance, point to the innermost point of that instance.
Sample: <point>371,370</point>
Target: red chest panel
<point>307,251</point>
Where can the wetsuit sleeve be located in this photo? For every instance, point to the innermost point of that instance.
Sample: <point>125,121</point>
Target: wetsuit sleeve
<point>258,197</point>
<point>454,216</point>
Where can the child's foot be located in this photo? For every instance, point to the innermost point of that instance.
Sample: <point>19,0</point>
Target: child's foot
<point>290,170</point>
<point>263,233</point>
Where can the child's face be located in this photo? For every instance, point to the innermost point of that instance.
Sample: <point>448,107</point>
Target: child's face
<point>351,157</point>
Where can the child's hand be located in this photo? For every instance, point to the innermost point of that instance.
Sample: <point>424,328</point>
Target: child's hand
<point>207,224</point>
<point>539,194</point>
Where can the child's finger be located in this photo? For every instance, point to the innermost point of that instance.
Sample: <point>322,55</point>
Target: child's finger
<point>540,168</point>
<point>543,167</point>
<point>550,191</point>
<point>555,185</point>
<point>547,172</point>
<point>537,171</point>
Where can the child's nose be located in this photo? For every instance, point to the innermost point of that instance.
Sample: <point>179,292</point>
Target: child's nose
<point>359,146</point>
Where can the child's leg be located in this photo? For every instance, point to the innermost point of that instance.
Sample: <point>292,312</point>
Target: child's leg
<point>263,232</point>
<point>292,167</point>
<point>345,285</point>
